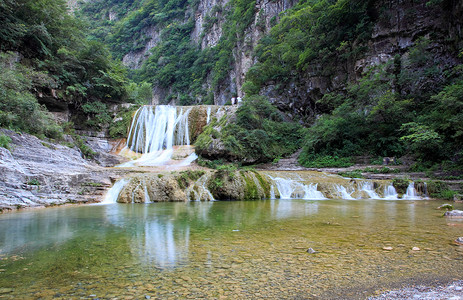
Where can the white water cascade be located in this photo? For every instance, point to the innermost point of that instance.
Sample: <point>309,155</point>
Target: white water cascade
<point>343,193</point>
<point>292,189</point>
<point>285,187</point>
<point>311,192</point>
<point>208,119</point>
<point>390,193</point>
<point>114,191</point>
<point>154,132</point>
<point>198,191</point>
<point>411,194</point>
<point>368,188</point>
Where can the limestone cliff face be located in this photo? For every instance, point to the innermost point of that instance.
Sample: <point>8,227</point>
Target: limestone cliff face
<point>209,18</point>
<point>267,15</point>
<point>134,59</point>
<point>396,27</point>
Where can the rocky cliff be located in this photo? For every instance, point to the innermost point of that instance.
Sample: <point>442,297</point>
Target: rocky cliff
<point>209,18</point>
<point>397,26</point>
<point>36,173</point>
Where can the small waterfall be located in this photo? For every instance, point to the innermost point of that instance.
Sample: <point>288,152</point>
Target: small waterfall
<point>411,194</point>
<point>182,132</point>
<point>208,114</point>
<point>153,133</point>
<point>292,189</point>
<point>199,191</point>
<point>343,193</point>
<point>390,193</point>
<point>285,187</point>
<point>114,191</point>
<point>311,192</point>
<point>147,196</point>
<point>368,188</point>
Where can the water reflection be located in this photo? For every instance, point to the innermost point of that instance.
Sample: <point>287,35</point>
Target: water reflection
<point>160,234</point>
<point>164,244</point>
<point>32,230</point>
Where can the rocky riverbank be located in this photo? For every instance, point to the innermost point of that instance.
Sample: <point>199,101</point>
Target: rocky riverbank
<point>35,173</point>
<point>453,291</point>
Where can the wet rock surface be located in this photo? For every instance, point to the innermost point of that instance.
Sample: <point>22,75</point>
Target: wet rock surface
<point>454,213</point>
<point>36,173</point>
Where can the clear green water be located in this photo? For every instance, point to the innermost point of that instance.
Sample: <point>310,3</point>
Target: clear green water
<point>231,250</point>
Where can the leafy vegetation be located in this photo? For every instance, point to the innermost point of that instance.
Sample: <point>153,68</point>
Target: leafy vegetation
<point>175,64</point>
<point>19,108</point>
<point>259,133</point>
<point>393,111</point>
<point>5,141</point>
<point>314,36</point>
<point>45,54</point>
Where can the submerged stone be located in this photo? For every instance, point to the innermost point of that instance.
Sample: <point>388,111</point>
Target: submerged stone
<point>6,290</point>
<point>454,213</point>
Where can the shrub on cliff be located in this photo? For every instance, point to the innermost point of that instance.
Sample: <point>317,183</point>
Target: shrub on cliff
<point>19,109</point>
<point>258,134</point>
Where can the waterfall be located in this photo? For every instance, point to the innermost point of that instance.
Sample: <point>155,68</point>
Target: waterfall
<point>311,192</point>
<point>292,189</point>
<point>147,196</point>
<point>208,114</point>
<point>285,187</point>
<point>368,188</point>
<point>390,193</point>
<point>343,193</point>
<point>198,191</point>
<point>411,194</point>
<point>153,133</point>
<point>114,191</point>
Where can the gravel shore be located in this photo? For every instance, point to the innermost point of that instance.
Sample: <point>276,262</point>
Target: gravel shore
<point>452,291</point>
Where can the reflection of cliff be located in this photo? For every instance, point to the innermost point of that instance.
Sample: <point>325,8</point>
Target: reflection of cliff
<point>24,231</point>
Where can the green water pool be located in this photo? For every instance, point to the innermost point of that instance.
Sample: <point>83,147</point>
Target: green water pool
<point>227,250</point>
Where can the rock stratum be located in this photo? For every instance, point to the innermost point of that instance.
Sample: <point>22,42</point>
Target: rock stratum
<point>35,173</point>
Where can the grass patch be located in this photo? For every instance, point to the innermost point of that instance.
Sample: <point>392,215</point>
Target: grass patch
<point>323,161</point>
<point>5,141</point>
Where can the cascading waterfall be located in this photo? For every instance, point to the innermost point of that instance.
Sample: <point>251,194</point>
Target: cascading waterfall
<point>390,193</point>
<point>199,191</point>
<point>368,188</point>
<point>285,187</point>
<point>153,133</point>
<point>411,194</point>
<point>208,114</point>
<point>343,193</point>
<point>291,189</point>
<point>114,191</point>
<point>311,192</point>
<point>147,196</point>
